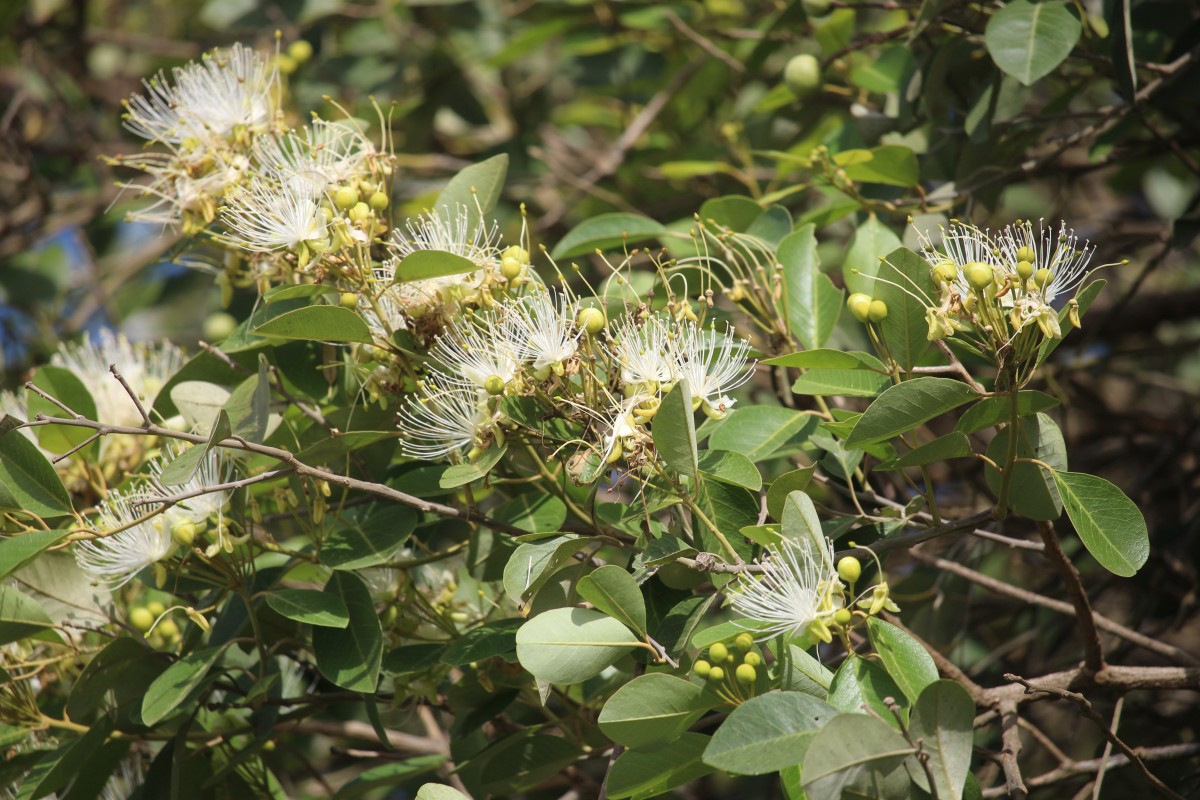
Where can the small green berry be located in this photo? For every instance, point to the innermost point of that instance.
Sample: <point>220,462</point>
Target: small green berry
<point>849,569</point>
<point>743,643</point>
<point>378,201</point>
<point>1026,253</point>
<point>946,272</point>
<point>348,300</point>
<point>141,618</point>
<point>843,616</point>
<point>753,659</point>
<point>802,75</point>
<point>591,320</point>
<point>494,385</point>
<point>361,211</point>
<point>345,198</point>
<point>716,675</point>
<point>300,50</point>
<point>183,532</point>
<point>1024,270</point>
<point>1042,278</point>
<point>702,668</point>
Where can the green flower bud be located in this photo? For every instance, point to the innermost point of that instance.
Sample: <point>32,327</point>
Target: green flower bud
<point>141,619</point>
<point>860,306</point>
<point>979,275</point>
<point>702,668</point>
<point>591,320</point>
<point>753,659</point>
<point>218,326</point>
<point>156,608</point>
<point>1026,253</point>
<point>348,300</point>
<point>843,616</point>
<point>849,569</point>
<point>183,532</point>
<point>1042,278</point>
<point>345,198</point>
<point>511,268</point>
<point>877,311</point>
<point>718,652</point>
<point>716,675</point>
<point>378,201</point>
<point>360,212</point>
<point>802,75</point>
<point>946,272</point>
<point>746,675</point>
<point>1024,270</point>
<point>743,643</point>
<point>167,629</point>
<point>494,385</point>
<point>300,51</point>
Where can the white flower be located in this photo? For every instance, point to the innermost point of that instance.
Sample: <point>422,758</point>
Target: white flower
<point>214,470</point>
<point>11,405</point>
<point>324,155</point>
<point>116,558</point>
<point>1059,253</point>
<point>642,352</point>
<point>712,363</point>
<point>478,351</point>
<point>177,194</point>
<point>798,586</point>
<point>145,367</point>
<point>962,244</point>
<point>269,216</point>
<point>458,232</point>
<point>448,420</point>
<point>228,89</point>
<point>545,328</point>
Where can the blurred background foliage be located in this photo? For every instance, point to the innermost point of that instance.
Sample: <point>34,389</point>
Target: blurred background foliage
<point>656,108</point>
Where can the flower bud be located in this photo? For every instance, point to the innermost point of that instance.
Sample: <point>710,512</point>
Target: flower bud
<point>746,675</point>
<point>877,311</point>
<point>716,675</point>
<point>1042,278</point>
<point>141,619</point>
<point>183,532</point>
<point>849,569</point>
<point>1027,254</point>
<point>753,659</point>
<point>743,643</point>
<point>168,630</point>
<point>946,272</point>
<point>378,201</point>
<point>843,616</point>
<point>1024,270</point>
<point>345,198</point>
<point>360,212</point>
<point>860,306</point>
<point>591,320</point>
<point>979,275</point>
<point>494,385</point>
<point>198,618</point>
<point>718,652</point>
<point>300,51</point>
<point>156,608</point>
<point>348,300</point>
<point>702,668</point>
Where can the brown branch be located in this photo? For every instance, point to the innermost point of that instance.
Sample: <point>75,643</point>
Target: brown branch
<point>1093,655</point>
<point>353,729</point>
<point>1073,768</point>
<point>1010,736</point>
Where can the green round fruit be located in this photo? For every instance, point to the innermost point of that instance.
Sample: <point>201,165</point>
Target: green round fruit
<point>746,675</point>
<point>348,300</point>
<point>141,618</point>
<point>802,75</point>
<point>743,643</point>
<point>1026,253</point>
<point>345,198</point>
<point>1024,270</point>
<point>219,325</point>
<point>702,668</point>
<point>1042,278</point>
<point>378,201</point>
<point>591,320</point>
<point>860,306</point>
<point>946,272</point>
<point>716,675</point>
<point>843,616</point>
<point>753,659</point>
<point>300,50</point>
<point>849,569</point>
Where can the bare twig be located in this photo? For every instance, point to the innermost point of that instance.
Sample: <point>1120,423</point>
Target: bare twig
<point>137,401</point>
<point>1093,655</point>
<point>1010,736</point>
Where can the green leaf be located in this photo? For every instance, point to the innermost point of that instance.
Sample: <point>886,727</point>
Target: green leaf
<point>906,405</point>
<point>811,302</point>
<point>885,74</point>
<point>943,448</point>
<point>992,411</point>
<point>122,671</point>
<point>173,687</point>
<point>27,481</point>
<point>531,565</point>
<point>20,615</point>
<point>785,484</point>
<point>943,719</point>
<point>462,474</point>
<point>730,467</point>
<point>613,591</point>
<point>771,226</point>
<point>905,329</point>
<point>1028,40</point>
<point>860,681</point>
<point>421,265</point>
<point>67,387</point>
<point>846,748</point>
<point>871,241</point>
<point>803,673</point>
<point>910,666</point>
<point>310,606</point>
<point>350,657</point>
<point>841,383</point>
<point>476,188</point>
<point>730,508</point>
<point>652,709</point>
<point>369,537</point>
<point>891,164</point>
<point>607,232</point>
<point>762,432</point>
<point>801,524</point>
<point>674,430</point>
<point>487,641</point>
<point>570,645</point>
<point>437,791</point>
<point>1032,492</point>
<point>732,211</point>
<point>650,772</point>
<point>387,776</point>
<point>536,512</point>
<point>181,468</point>
<point>828,359</point>
<point>1110,525</point>
<point>767,733</point>
<point>19,549</point>
<point>319,324</point>
<point>1085,298</point>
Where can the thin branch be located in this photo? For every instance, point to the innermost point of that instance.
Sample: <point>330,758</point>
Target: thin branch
<point>42,394</point>
<point>132,394</point>
<point>1093,654</point>
<point>705,45</point>
<point>1010,736</point>
<point>1073,768</point>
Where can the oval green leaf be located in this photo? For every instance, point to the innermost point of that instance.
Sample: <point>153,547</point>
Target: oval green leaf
<point>570,645</point>
<point>310,606</point>
<point>318,324</point>
<point>652,709</point>
<point>906,405</point>
<point>607,232</point>
<point>613,591</point>
<point>1110,525</point>
<point>170,689</point>
<point>1028,40</point>
<point>767,733</point>
<point>847,748</point>
<point>350,657</point>
<point>943,719</point>
<point>910,666</point>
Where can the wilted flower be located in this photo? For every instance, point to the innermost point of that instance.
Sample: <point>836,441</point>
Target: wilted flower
<point>796,593</point>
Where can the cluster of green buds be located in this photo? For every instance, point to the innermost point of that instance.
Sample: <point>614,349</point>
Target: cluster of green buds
<point>734,670</point>
<point>866,308</point>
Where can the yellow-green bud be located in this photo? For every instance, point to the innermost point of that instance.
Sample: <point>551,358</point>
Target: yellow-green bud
<point>141,619</point>
<point>743,643</point>
<point>802,75</point>
<point>285,63</point>
<point>877,311</point>
<point>167,629</point>
<point>1024,270</point>
<point>348,300</point>
<point>494,385</point>
<point>300,50</point>
<point>378,201</point>
<point>843,616</point>
<point>860,306</point>
<point>1026,253</point>
<point>746,675</point>
<point>511,268</point>
<point>345,197</point>
<point>591,320</point>
<point>849,569</point>
<point>716,675</point>
<point>156,608</point>
<point>979,275</point>
<point>183,532</point>
<point>219,325</point>
<point>753,659</point>
<point>360,212</point>
<point>702,668</point>
<point>718,652</point>
<point>1042,278</point>
<point>946,272</point>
